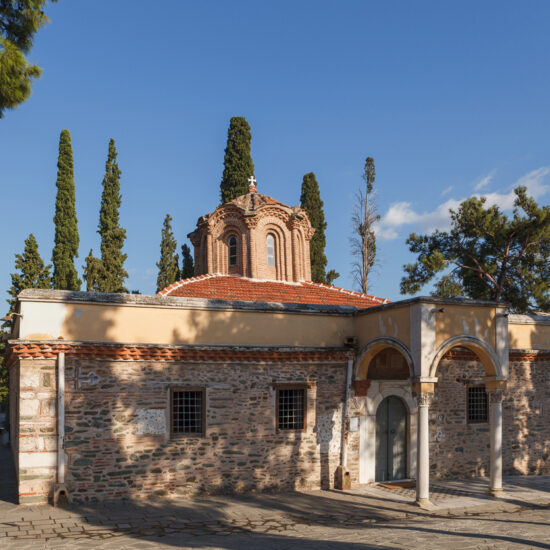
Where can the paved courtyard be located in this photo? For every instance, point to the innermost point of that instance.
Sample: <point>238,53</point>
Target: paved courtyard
<point>366,517</point>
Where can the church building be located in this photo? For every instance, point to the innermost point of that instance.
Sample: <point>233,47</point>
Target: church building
<point>250,377</point>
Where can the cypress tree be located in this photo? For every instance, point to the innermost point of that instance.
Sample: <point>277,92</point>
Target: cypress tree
<point>67,240</point>
<point>187,264</point>
<point>237,163</point>
<point>92,272</point>
<point>168,264</point>
<point>112,273</point>
<point>32,273</point>
<point>310,201</point>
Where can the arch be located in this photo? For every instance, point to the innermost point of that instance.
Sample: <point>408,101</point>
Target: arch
<point>486,354</point>
<point>378,395</point>
<point>373,347</point>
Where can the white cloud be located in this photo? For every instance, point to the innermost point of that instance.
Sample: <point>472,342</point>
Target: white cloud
<point>485,181</point>
<point>446,191</point>
<point>402,213</point>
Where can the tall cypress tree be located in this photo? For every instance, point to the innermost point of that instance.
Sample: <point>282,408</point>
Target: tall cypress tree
<point>168,264</point>
<point>112,273</point>
<point>187,264</point>
<point>310,201</point>
<point>237,163</point>
<point>66,240</point>
<point>32,273</point>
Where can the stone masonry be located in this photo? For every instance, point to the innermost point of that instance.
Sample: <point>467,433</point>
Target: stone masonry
<point>117,430</point>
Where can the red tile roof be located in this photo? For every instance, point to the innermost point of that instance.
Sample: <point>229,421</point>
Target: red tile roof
<point>232,287</point>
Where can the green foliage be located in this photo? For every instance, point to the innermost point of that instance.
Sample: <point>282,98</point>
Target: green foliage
<point>168,265</point>
<point>92,272</point>
<point>369,173</point>
<point>67,240</point>
<point>310,201</point>
<point>112,273</point>
<point>187,264</point>
<point>490,257</point>
<point>30,271</point>
<point>331,276</point>
<point>19,21</point>
<point>237,164</point>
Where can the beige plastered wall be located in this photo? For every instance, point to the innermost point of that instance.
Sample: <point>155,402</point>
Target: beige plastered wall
<point>393,323</point>
<point>135,324</point>
<point>478,322</point>
<point>525,333</point>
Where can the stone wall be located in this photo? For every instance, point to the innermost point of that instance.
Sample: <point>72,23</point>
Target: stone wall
<point>526,419</point>
<point>461,449</point>
<point>36,437</point>
<point>117,429</point>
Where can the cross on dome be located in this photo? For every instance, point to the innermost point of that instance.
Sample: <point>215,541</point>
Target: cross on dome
<point>252,183</point>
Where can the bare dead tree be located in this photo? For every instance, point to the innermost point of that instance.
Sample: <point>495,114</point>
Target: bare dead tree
<point>363,239</point>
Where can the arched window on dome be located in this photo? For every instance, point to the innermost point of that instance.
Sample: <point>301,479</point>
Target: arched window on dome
<point>270,243</point>
<point>232,246</point>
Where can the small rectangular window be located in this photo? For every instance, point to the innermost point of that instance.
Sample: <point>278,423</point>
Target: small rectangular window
<point>188,411</point>
<point>291,408</point>
<point>477,404</point>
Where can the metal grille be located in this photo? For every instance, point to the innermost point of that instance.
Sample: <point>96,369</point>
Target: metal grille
<point>187,412</point>
<point>291,409</point>
<point>477,404</point>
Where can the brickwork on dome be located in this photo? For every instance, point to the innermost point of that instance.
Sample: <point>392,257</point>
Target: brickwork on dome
<point>251,218</point>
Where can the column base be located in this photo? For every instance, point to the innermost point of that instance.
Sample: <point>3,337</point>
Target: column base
<point>497,493</point>
<point>425,503</point>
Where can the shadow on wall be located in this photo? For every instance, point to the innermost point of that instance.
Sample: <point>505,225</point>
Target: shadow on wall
<point>118,441</point>
<point>526,414</point>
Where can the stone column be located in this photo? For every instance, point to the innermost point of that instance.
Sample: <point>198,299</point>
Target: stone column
<point>495,421</point>
<point>423,453</point>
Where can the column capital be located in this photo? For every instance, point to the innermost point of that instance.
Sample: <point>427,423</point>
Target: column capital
<point>495,395</point>
<point>424,399</point>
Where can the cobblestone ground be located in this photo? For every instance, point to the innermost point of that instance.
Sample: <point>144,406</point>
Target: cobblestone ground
<point>516,527</point>
<point>462,517</point>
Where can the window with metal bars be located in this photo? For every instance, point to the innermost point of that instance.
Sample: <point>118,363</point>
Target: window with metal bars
<point>291,408</point>
<point>188,411</point>
<point>477,404</point>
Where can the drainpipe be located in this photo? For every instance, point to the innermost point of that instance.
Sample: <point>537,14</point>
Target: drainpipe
<point>60,417</point>
<point>61,495</point>
<point>343,447</point>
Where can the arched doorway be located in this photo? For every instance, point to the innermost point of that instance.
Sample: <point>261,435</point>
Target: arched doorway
<point>391,440</point>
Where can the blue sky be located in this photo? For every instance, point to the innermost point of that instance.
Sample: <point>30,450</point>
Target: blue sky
<point>451,99</point>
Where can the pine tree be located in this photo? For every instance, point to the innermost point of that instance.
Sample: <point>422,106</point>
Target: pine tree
<point>65,250</point>
<point>237,164</point>
<point>92,272</point>
<point>187,264</point>
<point>32,273</point>
<point>168,264</point>
<point>310,201</point>
<point>112,272</point>
<point>486,255</point>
